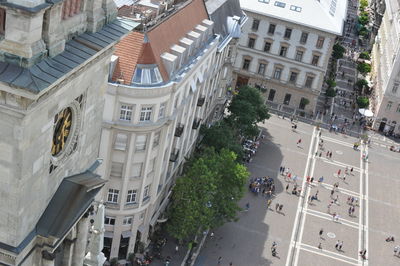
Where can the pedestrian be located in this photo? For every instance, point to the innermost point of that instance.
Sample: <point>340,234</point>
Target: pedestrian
<point>338,172</point>
<point>287,187</point>
<point>332,191</point>
<point>341,245</point>
<point>311,180</point>
<point>333,216</point>
<point>351,170</point>
<point>321,231</point>
<point>280,207</point>
<point>336,200</point>
<point>276,206</point>
<point>320,154</point>
<point>349,211</point>
<point>247,206</point>
<point>219,260</point>
<point>231,264</point>
<point>176,249</point>
<point>269,203</point>
<point>280,169</point>
<point>352,210</point>
<point>327,154</point>
<point>298,143</point>
<point>321,179</point>
<point>337,244</point>
<point>329,207</point>
<point>330,155</point>
<point>396,250</point>
<point>212,235</point>
<point>320,245</point>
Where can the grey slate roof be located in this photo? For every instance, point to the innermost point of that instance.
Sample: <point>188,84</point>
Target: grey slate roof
<point>219,11</point>
<point>72,198</point>
<point>77,51</point>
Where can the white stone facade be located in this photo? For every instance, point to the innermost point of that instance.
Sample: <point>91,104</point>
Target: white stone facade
<point>141,158</point>
<point>386,72</point>
<point>286,60</point>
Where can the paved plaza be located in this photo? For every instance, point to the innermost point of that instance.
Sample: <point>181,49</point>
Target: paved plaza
<point>374,185</point>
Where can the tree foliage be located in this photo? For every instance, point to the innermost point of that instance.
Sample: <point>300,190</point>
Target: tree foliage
<point>365,55</point>
<point>338,51</point>
<point>331,83</point>
<point>330,92</point>
<point>246,110</point>
<point>363,102</point>
<point>364,68</point>
<point>363,19</point>
<point>207,195</point>
<point>361,83</point>
<point>221,136</point>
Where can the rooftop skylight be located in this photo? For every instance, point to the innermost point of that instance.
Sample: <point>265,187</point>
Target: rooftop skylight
<point>280,4</point>
<point>295,8</point>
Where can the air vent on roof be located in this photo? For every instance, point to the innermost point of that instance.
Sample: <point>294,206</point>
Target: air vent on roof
<point>264,1</point>
<point>279,4</point>
<point>332,8</point>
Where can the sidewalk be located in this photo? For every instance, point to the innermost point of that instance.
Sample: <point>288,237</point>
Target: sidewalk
<point>169,250</point>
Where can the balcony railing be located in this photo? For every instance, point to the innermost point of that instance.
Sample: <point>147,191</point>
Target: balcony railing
<point>196,123</point>
<point>174,155</point>
<point>201,101</point>
<point>179,130</point>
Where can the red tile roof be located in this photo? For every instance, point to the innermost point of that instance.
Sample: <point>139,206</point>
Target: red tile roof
<point>134,49</point>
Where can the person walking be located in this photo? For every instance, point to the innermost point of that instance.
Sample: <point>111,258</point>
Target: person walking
<point>280,207</point>
<point>298,143</point>
<point>321,231</point>
<point>340,245</point>
<point>269,203</point>
<point>320,245</point>
<point>276,206</point>
<point>396,250</point>
<point>351,171</point>
<point>287,187</point>
<point>330,155</point>
<point>338,172</point>
<point>176,249</point>
<point>219,260</point>
<point>321,179</point>
<point>337,244</point>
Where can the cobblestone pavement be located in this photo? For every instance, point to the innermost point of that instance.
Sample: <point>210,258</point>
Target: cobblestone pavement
<point>247,242</point>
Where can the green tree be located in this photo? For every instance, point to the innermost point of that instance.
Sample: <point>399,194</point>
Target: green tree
<point>363,4</point>
<point>362,83</point>
<point>304,102</point>
<point>363,19</point>
<point>221,136</point>
<point>208,193</point>
<point>363,102</point>
<point>365,55</point>
<point>338,51</point>
<point>330,92</point>
<point>246,110</point>
<point>331,83</point>
<point>364,68</point>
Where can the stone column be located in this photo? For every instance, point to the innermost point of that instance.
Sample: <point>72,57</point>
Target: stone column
<point>95,15</point>
<point>67,253</point>
<point>52,31</point>
<point>81,241</point>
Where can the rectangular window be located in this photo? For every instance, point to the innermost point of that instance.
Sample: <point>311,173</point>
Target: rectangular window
<point>395,88</point>
<point>251,42</point>
<point>146,192</point>
<point>151,165</point>
<point>161,112</point>
<point>145,114</point>
<point>127,220</point>
<point>255,24</point>
<point>320,42</point>
<point>283,51</point>
<point>261,69</point>
<point>137,169</point>
<point>267,47</point>
<point>309,82</point>
<point>288,33</point>
<point>131,196</point>
<point>295,8</point>
<point>125,113</point>
<point>246,64</point>
<point>302,104</point>
<point>109,220</point>
<point>271,95</point>
<point>116,169</point>
<point>121,141</point>
<point>286,101</point>
<point>299,55</point>
<point>277,73</point>
<point>304,37</point>
<point>156,139</point>
<point>398,108</point>
<point>293,77</point>
<point>389,105</point>
<point>2,21</point>
<point>315,60</point>
<point>141,142</point>
<point>271,28</point>
<point>112,196</point>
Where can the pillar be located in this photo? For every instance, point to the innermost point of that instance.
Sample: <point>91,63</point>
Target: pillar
<point>68,252</point>
<point>81,241</point>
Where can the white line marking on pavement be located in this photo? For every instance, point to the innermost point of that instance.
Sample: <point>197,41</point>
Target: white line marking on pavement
<point>344,143</point>
<point>299,202</point>
<point>328,254</point>
<point>360,212</point>
<point>329,218</point>
<point>337,163</point>
<point>306,195</point>
<point>366,207</point>
<point>342,190</point>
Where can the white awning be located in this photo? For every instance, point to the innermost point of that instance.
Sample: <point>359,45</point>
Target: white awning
<point>126,234</point>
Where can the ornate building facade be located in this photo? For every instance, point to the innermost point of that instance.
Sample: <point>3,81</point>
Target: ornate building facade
<point>54,61</point>
<point>285,49</point>
<point>164,84</point>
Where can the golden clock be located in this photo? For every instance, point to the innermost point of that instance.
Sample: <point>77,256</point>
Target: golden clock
<point>62,128</point>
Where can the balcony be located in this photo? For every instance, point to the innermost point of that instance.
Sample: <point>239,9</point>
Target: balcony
<point>179,130</point>
<point>201,101</point>
<point>174,155</point>
<point>196,123</point>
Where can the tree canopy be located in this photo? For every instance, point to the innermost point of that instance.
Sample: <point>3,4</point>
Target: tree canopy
<point>246,110</point>
<point>338,51</point>
<point>363,102</point>
<point>207,195</point>
<point>364,68</point>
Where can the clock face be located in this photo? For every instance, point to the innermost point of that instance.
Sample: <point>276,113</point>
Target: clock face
<point>62,127</point>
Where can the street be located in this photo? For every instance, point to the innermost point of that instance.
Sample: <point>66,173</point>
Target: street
<point>371,185</point>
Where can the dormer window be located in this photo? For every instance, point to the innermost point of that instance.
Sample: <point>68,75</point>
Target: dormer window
<point>147,75</point>
<point>71,8</point>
